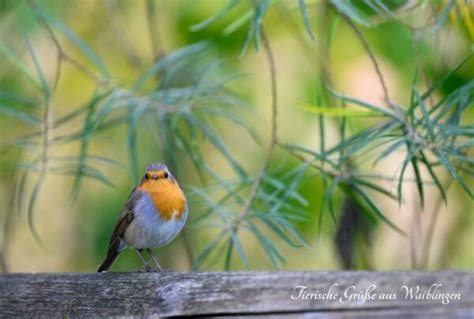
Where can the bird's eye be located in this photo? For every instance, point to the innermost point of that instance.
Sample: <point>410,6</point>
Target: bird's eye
<point>146,176</point>
<point>165,175</point>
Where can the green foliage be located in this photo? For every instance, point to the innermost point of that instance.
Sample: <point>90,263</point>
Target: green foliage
<point>411,126</point>
<point>179,98</point>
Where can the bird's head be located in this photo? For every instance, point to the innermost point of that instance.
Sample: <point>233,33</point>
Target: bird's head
<point>157,174</point>
<point>164,191</point>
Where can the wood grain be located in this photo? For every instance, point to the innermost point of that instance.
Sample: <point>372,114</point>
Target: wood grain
<point>246,294</point>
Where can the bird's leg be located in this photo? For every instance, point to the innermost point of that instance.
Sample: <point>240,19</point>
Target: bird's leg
<point>139,253</point>
<point>158,267</point>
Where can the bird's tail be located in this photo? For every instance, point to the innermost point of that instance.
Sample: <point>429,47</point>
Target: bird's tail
<point>111,255</point>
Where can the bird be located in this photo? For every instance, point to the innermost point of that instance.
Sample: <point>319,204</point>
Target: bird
<point>153,215</point>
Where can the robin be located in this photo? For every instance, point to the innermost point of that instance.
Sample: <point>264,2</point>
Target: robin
<point>154,214</point>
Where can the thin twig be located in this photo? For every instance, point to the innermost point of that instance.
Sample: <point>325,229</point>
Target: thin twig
<point>44,160</point>
<point>420,262</point>
<point>274,139</point>
<point>422,70</point>
<point>408,128</point>
<point>83,69</point>
<point>62,55</point>
<point>311,162</point>
<point>432,224</point>
<point>365,44</point>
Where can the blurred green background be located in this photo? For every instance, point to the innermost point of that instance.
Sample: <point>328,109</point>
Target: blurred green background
<point>130,36</point>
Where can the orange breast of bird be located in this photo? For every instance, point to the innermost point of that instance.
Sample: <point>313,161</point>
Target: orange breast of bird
<point>167,197</point>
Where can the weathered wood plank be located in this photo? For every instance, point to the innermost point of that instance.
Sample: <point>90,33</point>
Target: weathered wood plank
<point>237,293</point>
<point>437,313</point>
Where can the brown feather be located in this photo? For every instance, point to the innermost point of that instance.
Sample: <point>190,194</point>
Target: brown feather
<point>123,221</point>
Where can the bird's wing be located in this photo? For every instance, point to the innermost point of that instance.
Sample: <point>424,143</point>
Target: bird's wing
<point>124,220</point>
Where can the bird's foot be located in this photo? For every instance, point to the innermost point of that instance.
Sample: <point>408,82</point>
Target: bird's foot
<point>138,270</point>
<point>161,270</point>
<point>146,269</point>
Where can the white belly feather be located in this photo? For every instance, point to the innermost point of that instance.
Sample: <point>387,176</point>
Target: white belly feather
<point>148,229</point>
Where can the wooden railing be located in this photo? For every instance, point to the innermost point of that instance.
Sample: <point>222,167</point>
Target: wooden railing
<point>446,294</point>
